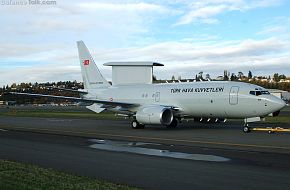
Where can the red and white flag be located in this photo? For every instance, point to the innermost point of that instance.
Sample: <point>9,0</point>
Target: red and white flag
<point>86,62</point>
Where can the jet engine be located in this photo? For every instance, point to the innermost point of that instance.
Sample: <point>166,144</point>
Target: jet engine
<point>154,115</point>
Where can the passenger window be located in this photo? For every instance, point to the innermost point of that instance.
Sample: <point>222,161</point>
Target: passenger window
<point>253,93</point>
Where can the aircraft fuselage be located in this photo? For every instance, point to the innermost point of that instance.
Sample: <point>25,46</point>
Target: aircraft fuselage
<point>213,99</point>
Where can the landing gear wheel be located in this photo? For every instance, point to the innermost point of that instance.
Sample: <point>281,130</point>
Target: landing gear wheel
<point>173,124</point>
<point>137,125</point>
<point>246,129</point>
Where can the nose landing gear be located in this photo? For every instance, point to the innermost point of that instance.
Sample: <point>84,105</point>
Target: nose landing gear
<point>246,128</point>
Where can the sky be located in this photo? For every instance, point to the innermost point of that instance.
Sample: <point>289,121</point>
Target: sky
<point>38,41</point>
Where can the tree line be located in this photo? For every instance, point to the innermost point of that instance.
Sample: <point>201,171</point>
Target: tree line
<point>50,88</point>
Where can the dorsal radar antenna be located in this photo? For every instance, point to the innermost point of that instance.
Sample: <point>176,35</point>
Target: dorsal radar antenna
<point>134,72</point>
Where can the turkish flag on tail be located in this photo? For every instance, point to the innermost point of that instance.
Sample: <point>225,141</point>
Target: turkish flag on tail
<point>86,62</point>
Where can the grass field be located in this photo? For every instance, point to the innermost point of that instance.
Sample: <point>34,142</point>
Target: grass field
<point>279,119</point>
<point>61,115</point>
<point>55,113</point>
<point>282,118</point>
<point>18,176</point>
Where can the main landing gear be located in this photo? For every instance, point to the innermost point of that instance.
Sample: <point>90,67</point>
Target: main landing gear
<point>137,125</point>
<point>173,124</point>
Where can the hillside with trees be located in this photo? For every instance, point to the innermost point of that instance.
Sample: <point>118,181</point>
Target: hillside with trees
<point>40,88</point>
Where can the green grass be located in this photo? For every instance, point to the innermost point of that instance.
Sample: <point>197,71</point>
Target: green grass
<point>58,114</point>
<point>278,119</point>
<point>18,176</point>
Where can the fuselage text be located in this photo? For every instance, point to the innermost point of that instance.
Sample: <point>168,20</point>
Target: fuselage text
<point>198,90</point>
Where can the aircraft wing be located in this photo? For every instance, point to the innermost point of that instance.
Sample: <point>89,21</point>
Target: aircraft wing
<point>107,103</point>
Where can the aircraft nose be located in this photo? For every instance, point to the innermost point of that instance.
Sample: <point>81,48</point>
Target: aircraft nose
<point>278,103</point>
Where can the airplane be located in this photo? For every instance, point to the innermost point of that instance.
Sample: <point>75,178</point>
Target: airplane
<point>168,104</point>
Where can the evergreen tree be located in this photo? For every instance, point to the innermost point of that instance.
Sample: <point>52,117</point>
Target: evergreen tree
<point>276,77</point>
<point>240,74</point>
<point>226,75</point>
<point>200,75</point>
<point>234,77</point>
<point>250,75</point>
<point>207,76</point>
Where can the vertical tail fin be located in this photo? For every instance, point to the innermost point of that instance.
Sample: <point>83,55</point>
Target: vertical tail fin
<point>92,77</point>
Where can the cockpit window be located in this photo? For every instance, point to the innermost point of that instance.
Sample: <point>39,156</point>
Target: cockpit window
<point>259,92</point>
<point>253,93</point>
<point>265,92</point>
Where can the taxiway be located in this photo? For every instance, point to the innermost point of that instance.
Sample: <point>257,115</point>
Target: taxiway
<point>199,156</point>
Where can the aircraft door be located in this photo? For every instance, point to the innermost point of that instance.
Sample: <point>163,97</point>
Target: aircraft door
<point>157,96</point>
<point>234,95</point>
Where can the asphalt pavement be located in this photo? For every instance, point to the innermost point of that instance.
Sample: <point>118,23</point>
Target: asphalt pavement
<point>153,158</point>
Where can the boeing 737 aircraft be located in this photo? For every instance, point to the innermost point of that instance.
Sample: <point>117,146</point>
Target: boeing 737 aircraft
<point>169,103</point>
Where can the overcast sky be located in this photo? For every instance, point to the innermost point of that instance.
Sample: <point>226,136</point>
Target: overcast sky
<point>38,42</point>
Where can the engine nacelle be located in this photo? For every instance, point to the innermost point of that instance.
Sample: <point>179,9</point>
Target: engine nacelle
<point>154,115</point>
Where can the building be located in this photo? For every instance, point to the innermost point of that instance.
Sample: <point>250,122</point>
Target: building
<point>220,78</point>
<point>284,80</point>
<point>7,103</point>
<point>280,94</point>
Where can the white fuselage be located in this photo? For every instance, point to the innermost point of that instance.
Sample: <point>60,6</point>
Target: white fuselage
<point>211,99</point>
